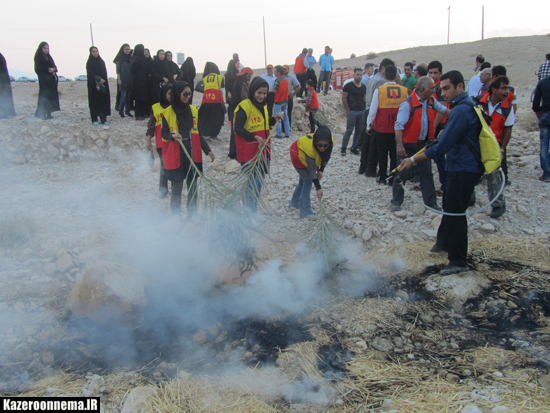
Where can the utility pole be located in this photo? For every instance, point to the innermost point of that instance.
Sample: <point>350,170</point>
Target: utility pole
<point>265,49</point>
<point>482,22</point>
<point>449,24</point>
<point>92,34</point>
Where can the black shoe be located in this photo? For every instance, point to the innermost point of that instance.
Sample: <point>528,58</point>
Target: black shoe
<point>361,172</point>
<point>437,249</point>
<point>121,114</point>
<point>116,108</point>
<point>368,175</point>
<point>380,181</point>
<point>453,269</point>
<point>139,118</point>
<point>355,151</point>
<point>129,115</point>
<point>497,212</point>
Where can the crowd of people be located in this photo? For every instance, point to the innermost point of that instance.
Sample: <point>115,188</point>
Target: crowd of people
<point>401,122</point>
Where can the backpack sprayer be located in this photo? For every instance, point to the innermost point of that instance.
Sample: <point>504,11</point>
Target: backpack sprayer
<point>395,175</point>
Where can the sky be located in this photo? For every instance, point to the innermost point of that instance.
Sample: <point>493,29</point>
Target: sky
<point>214,30</point>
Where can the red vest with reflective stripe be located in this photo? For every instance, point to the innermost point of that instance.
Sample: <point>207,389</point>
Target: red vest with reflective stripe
<point>390,96</point>
<point>413,125</point>
<point>299,64</point>
<point>171,149</point>
<point>498,119</point>
<point>314,101</point>
<point>157,113</point>
<point>256,123</point>
<point>282,89</point>
<point>212,89</point>
<point>510,97</point>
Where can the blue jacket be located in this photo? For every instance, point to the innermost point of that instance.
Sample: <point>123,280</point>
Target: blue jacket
<point>462,122</point>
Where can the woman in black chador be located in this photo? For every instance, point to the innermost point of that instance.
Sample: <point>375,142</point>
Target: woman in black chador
<point>188,74</point>
<point>99,96</point>
<point>44,66</point>
<point>141,69</point>
<point>6,97</point>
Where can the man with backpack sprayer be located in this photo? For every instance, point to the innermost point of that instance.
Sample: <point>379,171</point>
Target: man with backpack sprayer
<point>458,141</point>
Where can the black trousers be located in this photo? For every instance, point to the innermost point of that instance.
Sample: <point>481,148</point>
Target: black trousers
<point>301,77</point>
<point>117,100</point>
<point>140,109</point>
<point>452,234</point>
<point>270,102</point>
<point>385,143</point>
<point>313,77</point>
<point>177,188</point>
<point>311,122</point>
<point>163,180</point>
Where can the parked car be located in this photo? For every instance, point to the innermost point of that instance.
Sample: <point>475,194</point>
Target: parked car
<point>81,78</point>
<point>23,79</point>
<point>12,79</point>
<point>63,79</point>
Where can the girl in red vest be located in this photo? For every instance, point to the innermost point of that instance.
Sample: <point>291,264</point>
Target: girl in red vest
<point>180,124</point>
<point>212,110</point>
<point>312,104</point>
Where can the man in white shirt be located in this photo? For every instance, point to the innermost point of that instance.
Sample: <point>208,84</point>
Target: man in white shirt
<point>475,82</point>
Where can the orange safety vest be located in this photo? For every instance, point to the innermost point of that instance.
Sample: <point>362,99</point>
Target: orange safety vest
<point>157,113</point>
<point>510,97</point>
<point>390,96</point>
<point>299,67</point>
<point>212,88</point>
<point>314,101</point>
<point>256,123</point>
<point>498,119</point>
<point>171,149</point>
<point>281,94</point>
<point>413,125</point>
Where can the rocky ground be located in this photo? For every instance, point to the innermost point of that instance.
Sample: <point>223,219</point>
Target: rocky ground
<point>76,200</point>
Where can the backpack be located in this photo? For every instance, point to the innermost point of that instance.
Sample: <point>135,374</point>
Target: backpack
<point>490,156</point>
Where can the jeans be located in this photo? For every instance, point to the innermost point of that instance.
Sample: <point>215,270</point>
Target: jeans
<point>324,76</point>
<point>354,120</point>
<point>302,197</point>
<point>124,102</point>
<point>282,107</point>
<point>544,125</point>
<point>452,234</point>
<point>426,179</point>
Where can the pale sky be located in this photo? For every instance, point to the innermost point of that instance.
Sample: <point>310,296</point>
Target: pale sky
<point>213,30</point>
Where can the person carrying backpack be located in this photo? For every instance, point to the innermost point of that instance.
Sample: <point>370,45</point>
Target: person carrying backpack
<point>458,141</point>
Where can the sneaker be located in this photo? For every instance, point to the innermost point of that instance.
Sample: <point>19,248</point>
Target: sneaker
<point>453,269</point>
<point>279,136</point>
<point>215,139</point>
<point>543,179</point>
<point>287,136</point>
<point>106,123</point>
<point>355,151</point>
<point>343,153</point>
<point>96,123</point>
<point>437,249</point>
<point>497,212</point>
<point>129,115</point>
<point>394,207</point>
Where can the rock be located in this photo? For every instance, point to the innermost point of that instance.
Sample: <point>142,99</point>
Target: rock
<point>452,378</point>
<point>457,288</point>
<point>500,409</point>
<point>47,358</point>
<point>357,231</point>
<point>466,372</point>
<point>21,353</point>
<point>136,400</point>
<point>372,328</point>
<point>50,391</point>
<point>367,234</point>
<point>431,233</point>
<point>382,344</point>
<point>108,292</point>
<point>91,389</point>
<point>19,159</point>
<point>183,375</point>
<point>401,214</point>
<point>544,382</point>
<point>53,150</point>
<point>361,344</point>
<point>403,294</point>
<point>277,237</point>
<point>477,315</point>
<point>64,261</point>
<point>44,129</point>
<point>436,222</point>
<point>26,254</point>
<point>488,228</point>
<point>471,409</point>
<point>232,166</point>
<point>418,210</point>
<point>50,268</point>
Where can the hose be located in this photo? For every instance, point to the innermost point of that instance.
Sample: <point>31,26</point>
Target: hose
<point>464,214</point>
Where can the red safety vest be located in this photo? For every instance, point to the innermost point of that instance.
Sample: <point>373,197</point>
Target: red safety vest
<point>390,96</point>
<point>314,101</point>
<point>282,89</point>
<point>299,67</point>
<point>256,123</point>
<point>510,97</point>
<point>171,149</point>
<point>498,119</point>
<point>413,125</point>
<point>212,88</point>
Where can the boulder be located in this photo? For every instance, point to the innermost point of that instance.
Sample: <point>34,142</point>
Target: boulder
<point>232,166</point>
<point>64,261</point>
<point>137,400</point>
<point>108,292</point>
<point>456,288</point>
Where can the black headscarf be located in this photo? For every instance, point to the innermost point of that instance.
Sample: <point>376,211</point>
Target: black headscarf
<point>96,65</point>
<point>161,66</point>
<point>121,56</point>
<point>255,84</point>
<point>163,91</point>
<point>323,134</point>
<point>182,110</point>
<point>42,60</point>
<point>188,69</point>
<point>210,67</point>
<point>6,96</point>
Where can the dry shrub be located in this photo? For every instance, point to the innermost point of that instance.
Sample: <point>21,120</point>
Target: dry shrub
<point>15,230</point>
<point>353,56</point>
<point>371,55</point>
